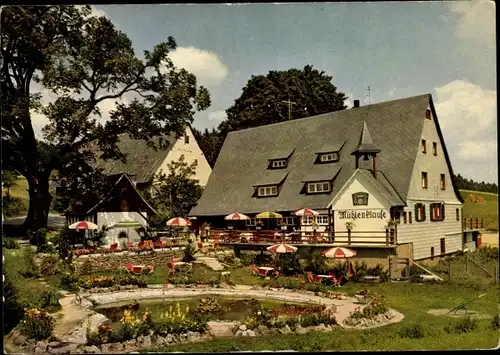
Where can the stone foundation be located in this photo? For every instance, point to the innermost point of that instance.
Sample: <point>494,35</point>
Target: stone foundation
<point>116,261</point>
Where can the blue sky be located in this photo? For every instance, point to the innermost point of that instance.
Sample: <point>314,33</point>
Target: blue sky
<point>398,49</point>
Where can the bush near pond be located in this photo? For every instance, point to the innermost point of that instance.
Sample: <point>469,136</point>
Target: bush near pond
<point>88,282</point>
<point>36,324</point>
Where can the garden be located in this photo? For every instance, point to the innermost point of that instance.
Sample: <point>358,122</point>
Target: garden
<point>35,286</point>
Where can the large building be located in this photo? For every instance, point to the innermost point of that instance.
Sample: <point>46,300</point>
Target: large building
<point>359,168</point>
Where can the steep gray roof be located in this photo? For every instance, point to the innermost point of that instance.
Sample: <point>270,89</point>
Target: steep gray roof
<point>142,161</point>
<point>384,186</point>
<point>365,144</point>
<point>395,127</point>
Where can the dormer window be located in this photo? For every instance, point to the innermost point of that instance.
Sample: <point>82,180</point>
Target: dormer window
<point>318,187</point>
<point>264,191</point>
<point>329,157</point>
<point>277,164</point>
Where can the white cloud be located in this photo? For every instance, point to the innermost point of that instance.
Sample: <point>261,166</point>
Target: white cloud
<point>467,115</point>
<point>349,102</point>
<point>207,66</point>
<point>217,115</point>
<point>475,20</point>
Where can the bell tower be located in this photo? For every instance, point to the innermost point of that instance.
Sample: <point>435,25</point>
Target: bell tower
<point>367,149</point>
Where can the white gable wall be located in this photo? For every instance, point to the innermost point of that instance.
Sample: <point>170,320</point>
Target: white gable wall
<point>427,234</point>
<point>110,218</point>
<point>371,218</point>
<point>191,152</point>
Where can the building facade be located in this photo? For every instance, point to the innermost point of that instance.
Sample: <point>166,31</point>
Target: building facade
<point>368,171</point>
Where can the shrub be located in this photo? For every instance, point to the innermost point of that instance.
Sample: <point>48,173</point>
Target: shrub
<point>188,254</point>
<point>289,263</point>
<point>37,324</point>
<point>316,263</point>
<point>9,243</point>
<point>86,267</point>
<point>487,252</point>
<point>39,237</point>
<point>208,305</point>
<point>412,331</point>
<point>247,259</point>
<point>63,246</point>
<point>96,281</point>
<point>48,266</point>
<point>495,322</point>
<point>30,268</point>
<point>360,270</point>
<point>175,321</point>
<point>103,334</point>
<point>463,325</point>
<point>14,206</point>
<point>379,271</point>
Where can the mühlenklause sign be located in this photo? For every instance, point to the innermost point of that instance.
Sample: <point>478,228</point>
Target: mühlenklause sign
<point>362,214</point>
<point>360,199</point>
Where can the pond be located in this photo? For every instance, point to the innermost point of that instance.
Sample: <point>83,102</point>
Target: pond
<point>232,309</point>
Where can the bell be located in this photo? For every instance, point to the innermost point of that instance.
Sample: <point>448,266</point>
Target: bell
<point>366,157</point>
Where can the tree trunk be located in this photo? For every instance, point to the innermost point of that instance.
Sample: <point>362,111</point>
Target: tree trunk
<point>40,200</point>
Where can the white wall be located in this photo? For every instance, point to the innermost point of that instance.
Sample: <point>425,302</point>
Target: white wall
<point>378,205</point>
<point>191,152</point>
<point>427,234</point>
<point>110,218</point>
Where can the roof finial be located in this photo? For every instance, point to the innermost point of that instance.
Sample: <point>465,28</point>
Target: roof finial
<point>365,144</point>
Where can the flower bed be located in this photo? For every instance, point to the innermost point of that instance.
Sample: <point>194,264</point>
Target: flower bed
<point>373,313</point>
<point>91,282</point>
<point>36,324</point>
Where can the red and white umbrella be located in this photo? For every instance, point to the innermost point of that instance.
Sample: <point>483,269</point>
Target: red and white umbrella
<point>178,222</point>
<point>306,212</point>
<point>236,217</point>
<point>339,252</point>
<point>282,248</point>
<point>82,225</point>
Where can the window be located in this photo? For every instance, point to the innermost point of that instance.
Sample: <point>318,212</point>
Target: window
<point>318,187</point>
<point>424,146</point>
<point>409,217</point>
<point>432,252</point>
<point>434,148</point>
<point>428,114</point>
<point>458,214</point>
<point>443,182</point>
<point>419,212</point>
<point>322,220</point>
<point>307,220</point>
<point>278,163</point>
<point>443,246</point>
<point>405,216</point>
<point>186,139</point>
<point>424,180</point>
<point>252,221</point>
<point>437,211</point>
<point>290,221</point>
<point>329,157</point>
<point>268,191</point>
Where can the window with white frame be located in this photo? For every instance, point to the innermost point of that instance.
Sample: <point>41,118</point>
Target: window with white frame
<point>329,157</point>
<point>322,220</point>
<point>307,220</point>
<point>289,221</point>
<point>252,221</point>
<point>318,187</point>
<point>278,163</point>
<point>267,191</point>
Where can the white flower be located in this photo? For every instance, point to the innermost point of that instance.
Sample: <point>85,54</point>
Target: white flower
<point>259,313</point>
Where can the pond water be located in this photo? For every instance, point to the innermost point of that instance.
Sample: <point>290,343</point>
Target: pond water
<point>233,309</point>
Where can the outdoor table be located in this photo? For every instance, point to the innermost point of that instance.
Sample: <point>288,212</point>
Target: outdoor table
<point>267,269</point>
<point>138,268</point>
<point>325,276</point>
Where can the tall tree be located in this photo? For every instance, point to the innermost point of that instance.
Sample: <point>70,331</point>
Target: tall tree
<point>85,61</point>
<point>175,192</point>
<point>275,97</point>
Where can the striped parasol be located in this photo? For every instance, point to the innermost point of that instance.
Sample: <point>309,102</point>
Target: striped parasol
<point>236,217</point>
<point>306,212</point>
<point>178,222</point>
<point>265,215</point>
<point>281,248</point>
<point>339,252</point>
<point>82,225</point>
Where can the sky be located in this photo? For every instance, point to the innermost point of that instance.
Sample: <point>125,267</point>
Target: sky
<point>399,50</point>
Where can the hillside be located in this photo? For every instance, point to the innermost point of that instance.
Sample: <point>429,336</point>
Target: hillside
<point>486,207</point>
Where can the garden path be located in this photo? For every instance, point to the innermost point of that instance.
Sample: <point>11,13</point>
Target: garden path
<point>70,316</point>
<point>212,263</point>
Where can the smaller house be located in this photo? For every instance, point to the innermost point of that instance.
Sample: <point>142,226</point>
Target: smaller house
<point>123,203</point>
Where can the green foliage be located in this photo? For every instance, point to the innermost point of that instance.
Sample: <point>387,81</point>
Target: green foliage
<point>48,265</point>
<point>9,243</point>
<point>316,263</point>
<point>176,192</point>
<point>208,305</point>
<point>37,324</point>
<point>462,325</point>
<point>188,254</point>
<point>14,206</point>
<point>469,184</point>
<point>377,306</point>
<point>487,253</point>
<point>289,263</point>
<point>247,259</point>
<point>96,281</point>
<point>379,271</point>
<point>84,61</point>
<point>63,246</point>
<point>495,322</point>
<point>412,331</point>
<point>30,269</point>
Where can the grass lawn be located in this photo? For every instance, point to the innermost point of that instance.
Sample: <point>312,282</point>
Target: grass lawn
<point>488,211</point>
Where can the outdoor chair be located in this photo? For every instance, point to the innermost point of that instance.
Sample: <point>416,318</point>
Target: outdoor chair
<point>313,279</point>
<point>277,273</point>
<point>148,270</point>
<point>136,270</point>
<point>335,280</point>
<point>113,247</point>
<point>129,268</point>
<point>171,268</point>
<point>254,270</point>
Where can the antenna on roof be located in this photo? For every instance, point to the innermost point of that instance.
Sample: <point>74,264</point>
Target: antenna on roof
<point>290,103</point>
<point>369,95</point>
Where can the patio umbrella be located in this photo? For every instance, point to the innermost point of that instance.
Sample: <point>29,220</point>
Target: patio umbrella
<point>83,225</point>
<point>236,217</point>
<point>265,215</point>
<point>127,224</point>
<point>178,222</point>
<point>281,248</point>
<point>339,252</point>
<point>306,212</point>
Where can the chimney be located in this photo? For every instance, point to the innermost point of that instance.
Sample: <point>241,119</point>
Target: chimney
<point>356,103</point>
